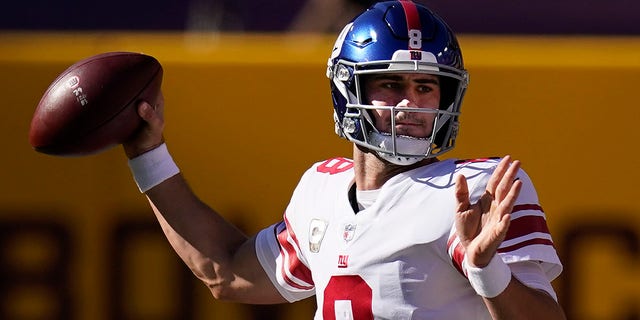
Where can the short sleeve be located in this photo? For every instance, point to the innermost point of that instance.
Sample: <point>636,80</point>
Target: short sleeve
<point>280,258</point>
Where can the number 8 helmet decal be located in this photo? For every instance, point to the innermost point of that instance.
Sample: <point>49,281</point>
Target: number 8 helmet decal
<point>396,36</point>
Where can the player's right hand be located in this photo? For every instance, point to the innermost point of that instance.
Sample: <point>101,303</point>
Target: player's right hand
<point>149,135</point>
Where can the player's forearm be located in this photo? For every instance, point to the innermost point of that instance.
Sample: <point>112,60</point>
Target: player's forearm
<point>202,238</point>
<point>518,301</point>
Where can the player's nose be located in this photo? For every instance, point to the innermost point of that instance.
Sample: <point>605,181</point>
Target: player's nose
<point>404,103</point>
<point>407,103</point>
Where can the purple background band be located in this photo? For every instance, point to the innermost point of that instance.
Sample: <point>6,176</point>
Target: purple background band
<point>464,16</point>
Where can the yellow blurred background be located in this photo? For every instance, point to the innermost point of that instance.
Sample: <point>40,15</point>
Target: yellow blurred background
<point>247,114</point>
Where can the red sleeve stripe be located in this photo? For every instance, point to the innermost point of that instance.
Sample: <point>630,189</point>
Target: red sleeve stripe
<point>527,206</point>
<point>523,244</point>
<point>525,225</point>
<point>526,228</point>
<point>293,271</point>
<point>456,252</point>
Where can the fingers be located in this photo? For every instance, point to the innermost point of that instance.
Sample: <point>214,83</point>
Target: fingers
<point>510,199</point>
<point>462,193</point>
<point>149,136</point>
<point>467,219</point>
<point>151,115</point>
<point>505,186</point>
<point>507,180</point>
<point>145,111</point>
<point>503,177</point>
<point>497,175</point>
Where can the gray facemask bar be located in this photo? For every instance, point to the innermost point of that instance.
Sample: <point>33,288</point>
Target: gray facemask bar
<point>442,116</point>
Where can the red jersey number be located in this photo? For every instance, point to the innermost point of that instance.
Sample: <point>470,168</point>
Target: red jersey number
<point>347,297</point>
<point>335,165</point>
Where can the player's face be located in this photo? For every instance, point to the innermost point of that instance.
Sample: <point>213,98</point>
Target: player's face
<point>408,90</point>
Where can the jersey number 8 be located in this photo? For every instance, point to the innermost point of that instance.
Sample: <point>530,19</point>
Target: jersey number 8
<point>347,297</point>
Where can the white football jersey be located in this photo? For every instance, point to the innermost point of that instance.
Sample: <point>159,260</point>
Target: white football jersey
<point>398,258</point>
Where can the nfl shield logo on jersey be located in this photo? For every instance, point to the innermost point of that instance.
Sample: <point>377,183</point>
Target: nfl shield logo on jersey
<point>317,228</point>
<point>349,232</point>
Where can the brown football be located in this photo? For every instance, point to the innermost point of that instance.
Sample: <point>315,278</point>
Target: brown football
<point>92,106</point>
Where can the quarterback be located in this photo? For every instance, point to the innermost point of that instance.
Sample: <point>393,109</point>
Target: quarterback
<point>395,232</point>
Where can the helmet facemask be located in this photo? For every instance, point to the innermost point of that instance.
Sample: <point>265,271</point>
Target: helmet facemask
<point>358,126</point>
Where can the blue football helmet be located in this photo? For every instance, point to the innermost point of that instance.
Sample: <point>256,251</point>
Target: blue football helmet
<point>396,37</point>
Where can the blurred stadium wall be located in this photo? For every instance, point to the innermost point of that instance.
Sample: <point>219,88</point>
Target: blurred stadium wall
<point>247,114</point>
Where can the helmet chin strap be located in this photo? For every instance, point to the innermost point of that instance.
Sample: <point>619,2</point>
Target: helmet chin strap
<point>404,145</point>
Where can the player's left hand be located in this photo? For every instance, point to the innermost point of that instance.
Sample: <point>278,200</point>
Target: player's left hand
<point>482,226</point>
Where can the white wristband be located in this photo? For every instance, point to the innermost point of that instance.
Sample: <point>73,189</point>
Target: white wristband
<point>153,167</point>
<point>491,280</point>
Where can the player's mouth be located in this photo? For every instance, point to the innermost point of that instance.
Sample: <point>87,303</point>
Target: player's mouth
<point>408,125</point>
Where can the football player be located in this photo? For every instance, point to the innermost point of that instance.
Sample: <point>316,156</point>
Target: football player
<point>395,232</point>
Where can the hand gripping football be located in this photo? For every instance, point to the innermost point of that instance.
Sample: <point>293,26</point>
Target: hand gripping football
<point>92,106</point>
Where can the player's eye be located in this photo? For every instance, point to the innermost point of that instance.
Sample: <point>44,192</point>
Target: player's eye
<point>390,85</point>
<point>424,89</point>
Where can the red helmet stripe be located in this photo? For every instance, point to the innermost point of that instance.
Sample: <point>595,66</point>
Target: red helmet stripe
<point>411,13</point>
